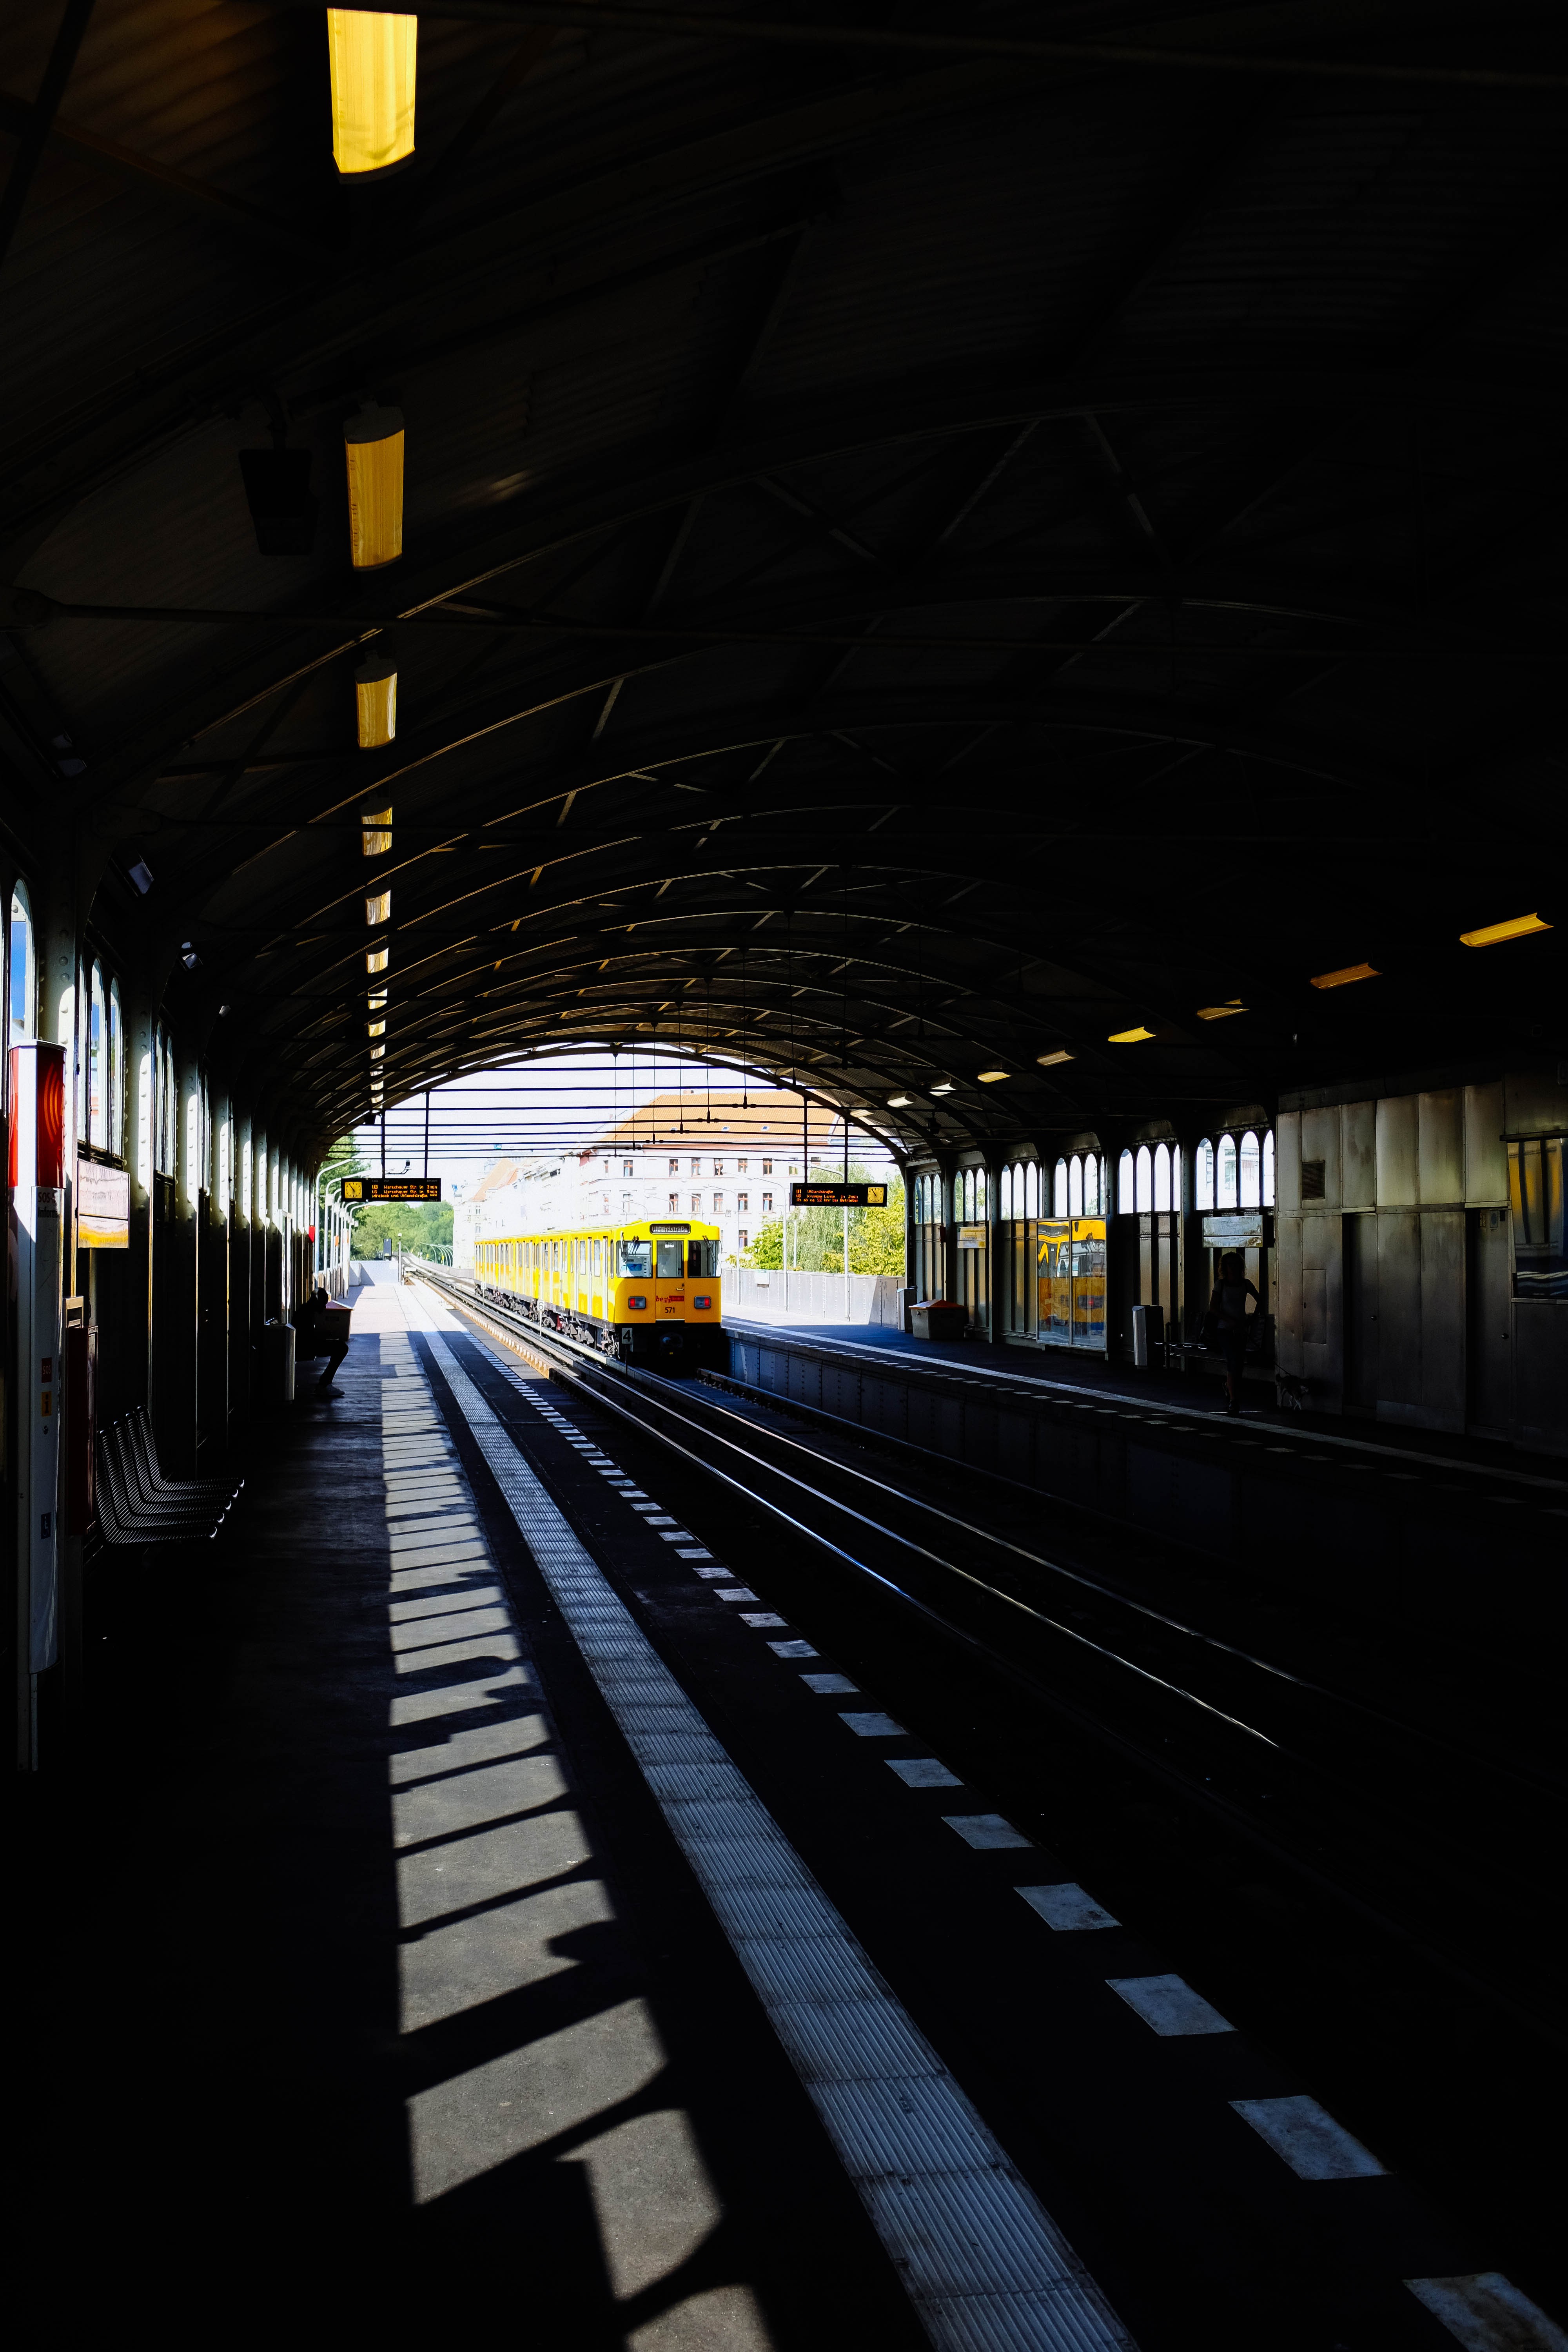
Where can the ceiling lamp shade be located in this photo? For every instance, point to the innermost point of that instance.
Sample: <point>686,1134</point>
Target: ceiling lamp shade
<point>375,959</point>
<point>372,61</point>
<point>1492,935</point>
<point>1130,1036</point>
<point>1058,1053</point>
<point>372,442</point>
<point>376,691</point>
<point>1346,973</point>
<point>378,907</point>
<point>378,830</point>
<point>992,1077</point>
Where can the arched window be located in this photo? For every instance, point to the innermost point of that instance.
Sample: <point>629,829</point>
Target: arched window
<point>1225,1190</point>
<point>1251,1172</point>
<point>1145,1178</point>
<point>968,1196</point>
<point>1202,1176</point>
<point>97,1063</point>
<point>1162,1176</point>
<point>1176,1176</point>
<point>1060,1190</point>
<point>980,1190</point>
<point>1269,1170</point>
<point>23,969</point>
<point>1093,1187</point>
<point>1124,1184</point>
<point>1032,1189</point>
<point>1006,1192</point>
<point>115,1072</point>
<point>1075,1186</point>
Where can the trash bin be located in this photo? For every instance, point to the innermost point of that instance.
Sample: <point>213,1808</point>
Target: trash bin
<point>1148,1335</point>
<point>278,1363</point>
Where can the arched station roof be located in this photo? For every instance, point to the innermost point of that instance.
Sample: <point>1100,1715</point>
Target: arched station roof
<point>933,539</point>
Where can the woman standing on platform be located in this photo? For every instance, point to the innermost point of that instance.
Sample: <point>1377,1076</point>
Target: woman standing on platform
<point>1227,1304</point>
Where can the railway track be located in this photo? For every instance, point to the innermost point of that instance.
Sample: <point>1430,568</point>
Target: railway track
<point>1368,1808</point>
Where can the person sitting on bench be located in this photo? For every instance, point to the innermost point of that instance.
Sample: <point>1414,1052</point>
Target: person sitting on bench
<point>321,1329</point>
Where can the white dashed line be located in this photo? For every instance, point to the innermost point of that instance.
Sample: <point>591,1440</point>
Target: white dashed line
<point>761,1617</point>
<point>874,1727</point>
<point>1486,2313</point>
<point>1313,2146</point>
<point>830,1686</point>
<point>983,2263</point>
<point>984,1830</point>
<point>1066,1908</point>
<point>794,1650</point>
<point>736,1593</point>
<point>1169,2005</point>
<point>922,1772</point>
<point>712,1569</point>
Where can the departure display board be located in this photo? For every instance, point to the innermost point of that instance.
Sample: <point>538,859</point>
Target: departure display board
<point>838,1196</point>
<point>392,1188</point>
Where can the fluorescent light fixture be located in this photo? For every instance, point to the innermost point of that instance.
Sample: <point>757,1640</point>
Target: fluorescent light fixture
<point>372,444</point>
<point>378,908</point>
<point>1338,978</point>
<point>375,692</point>
<point>375,959</point>
<point>375,1028</point>
<point>376,822</point>
<point>900,1102</point>
<point>1049,1061</point>
<point>377,1000</point>
<point>1129,1036</point>
<point>373,60</point>
<point>1221,1012</point>
<point>1491,935</point>
<point>944,1087</point>
<point>989,1077</point>
<point>142,875</point>
<point>376,1053</point>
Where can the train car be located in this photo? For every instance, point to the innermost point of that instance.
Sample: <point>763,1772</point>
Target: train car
<point>647,1292</point>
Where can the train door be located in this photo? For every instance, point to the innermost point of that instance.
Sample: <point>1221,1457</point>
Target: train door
<point>670,1279</point>
<point>1054,1280</point>
<point>1089,1281</point>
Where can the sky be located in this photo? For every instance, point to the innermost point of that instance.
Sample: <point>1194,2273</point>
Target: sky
<point>562,1104</point>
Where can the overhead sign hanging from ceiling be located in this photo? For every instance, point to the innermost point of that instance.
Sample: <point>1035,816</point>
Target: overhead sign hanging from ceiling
<point>392,1188</point>
<point>838,1196</point>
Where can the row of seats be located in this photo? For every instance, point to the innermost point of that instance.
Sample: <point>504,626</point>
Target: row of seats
<point>138,1505</point>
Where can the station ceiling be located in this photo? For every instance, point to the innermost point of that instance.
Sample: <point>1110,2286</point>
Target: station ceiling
<point>934,540</point>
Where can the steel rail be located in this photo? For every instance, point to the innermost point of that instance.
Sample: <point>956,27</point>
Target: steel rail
<point>573,1360</point>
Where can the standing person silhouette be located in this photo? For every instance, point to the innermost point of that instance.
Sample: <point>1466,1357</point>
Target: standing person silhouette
<point>1228,1303</point>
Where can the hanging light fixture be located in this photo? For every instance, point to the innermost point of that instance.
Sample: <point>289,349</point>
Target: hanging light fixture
<point>373,443</point>
<point>372,60</point>
<point>375,691</point>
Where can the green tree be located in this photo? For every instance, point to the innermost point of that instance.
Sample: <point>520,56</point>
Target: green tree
<point>411,1224</point>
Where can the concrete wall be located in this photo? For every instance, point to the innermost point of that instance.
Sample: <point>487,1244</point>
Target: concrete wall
<point>814,1297</point>
<point>1394,1240</point>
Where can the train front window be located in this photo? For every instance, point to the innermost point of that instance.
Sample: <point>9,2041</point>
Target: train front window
<point>702,1261</point>
<point>636,1260</point>
<point>671,1267</point>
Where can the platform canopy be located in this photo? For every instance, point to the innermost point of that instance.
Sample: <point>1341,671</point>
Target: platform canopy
<point>934,541</point>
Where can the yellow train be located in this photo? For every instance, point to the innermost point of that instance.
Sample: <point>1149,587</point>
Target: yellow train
<point>648,1293</point>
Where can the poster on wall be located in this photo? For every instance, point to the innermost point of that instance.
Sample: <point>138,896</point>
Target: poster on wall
<point>102,1206</point>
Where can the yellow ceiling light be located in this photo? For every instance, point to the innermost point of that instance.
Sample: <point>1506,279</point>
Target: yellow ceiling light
<point>375,959</point>
<point>1338,978</point>
<point>376,822</point>
<point>1130,1036</point>
<point>943,1087</point>
<point>375,1028</point>
<point>376,691</point>
<point>1491,935</point>
<point>900,1102</point>
<point>373,443</point>
<point>989,1077</point>
<point>1049,1061</point>
<point>377,1000</point>
<point>378,908</point>
<point>1221,1012</point>
<point>372,61</point>
<point>376,1052</point>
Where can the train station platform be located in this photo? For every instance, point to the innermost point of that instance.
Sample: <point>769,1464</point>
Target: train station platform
<point>487,1898</point>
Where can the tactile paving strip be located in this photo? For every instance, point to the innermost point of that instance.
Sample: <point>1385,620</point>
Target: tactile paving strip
<point>985,2265</point>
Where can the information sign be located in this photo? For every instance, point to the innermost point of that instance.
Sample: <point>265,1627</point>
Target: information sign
<point>102,1206</point>
<point>838,1196</point>
<point>392,1188</point>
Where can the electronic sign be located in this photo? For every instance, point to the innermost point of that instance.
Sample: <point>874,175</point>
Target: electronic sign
<point>838,1196</point>
<point>392,1188</point>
